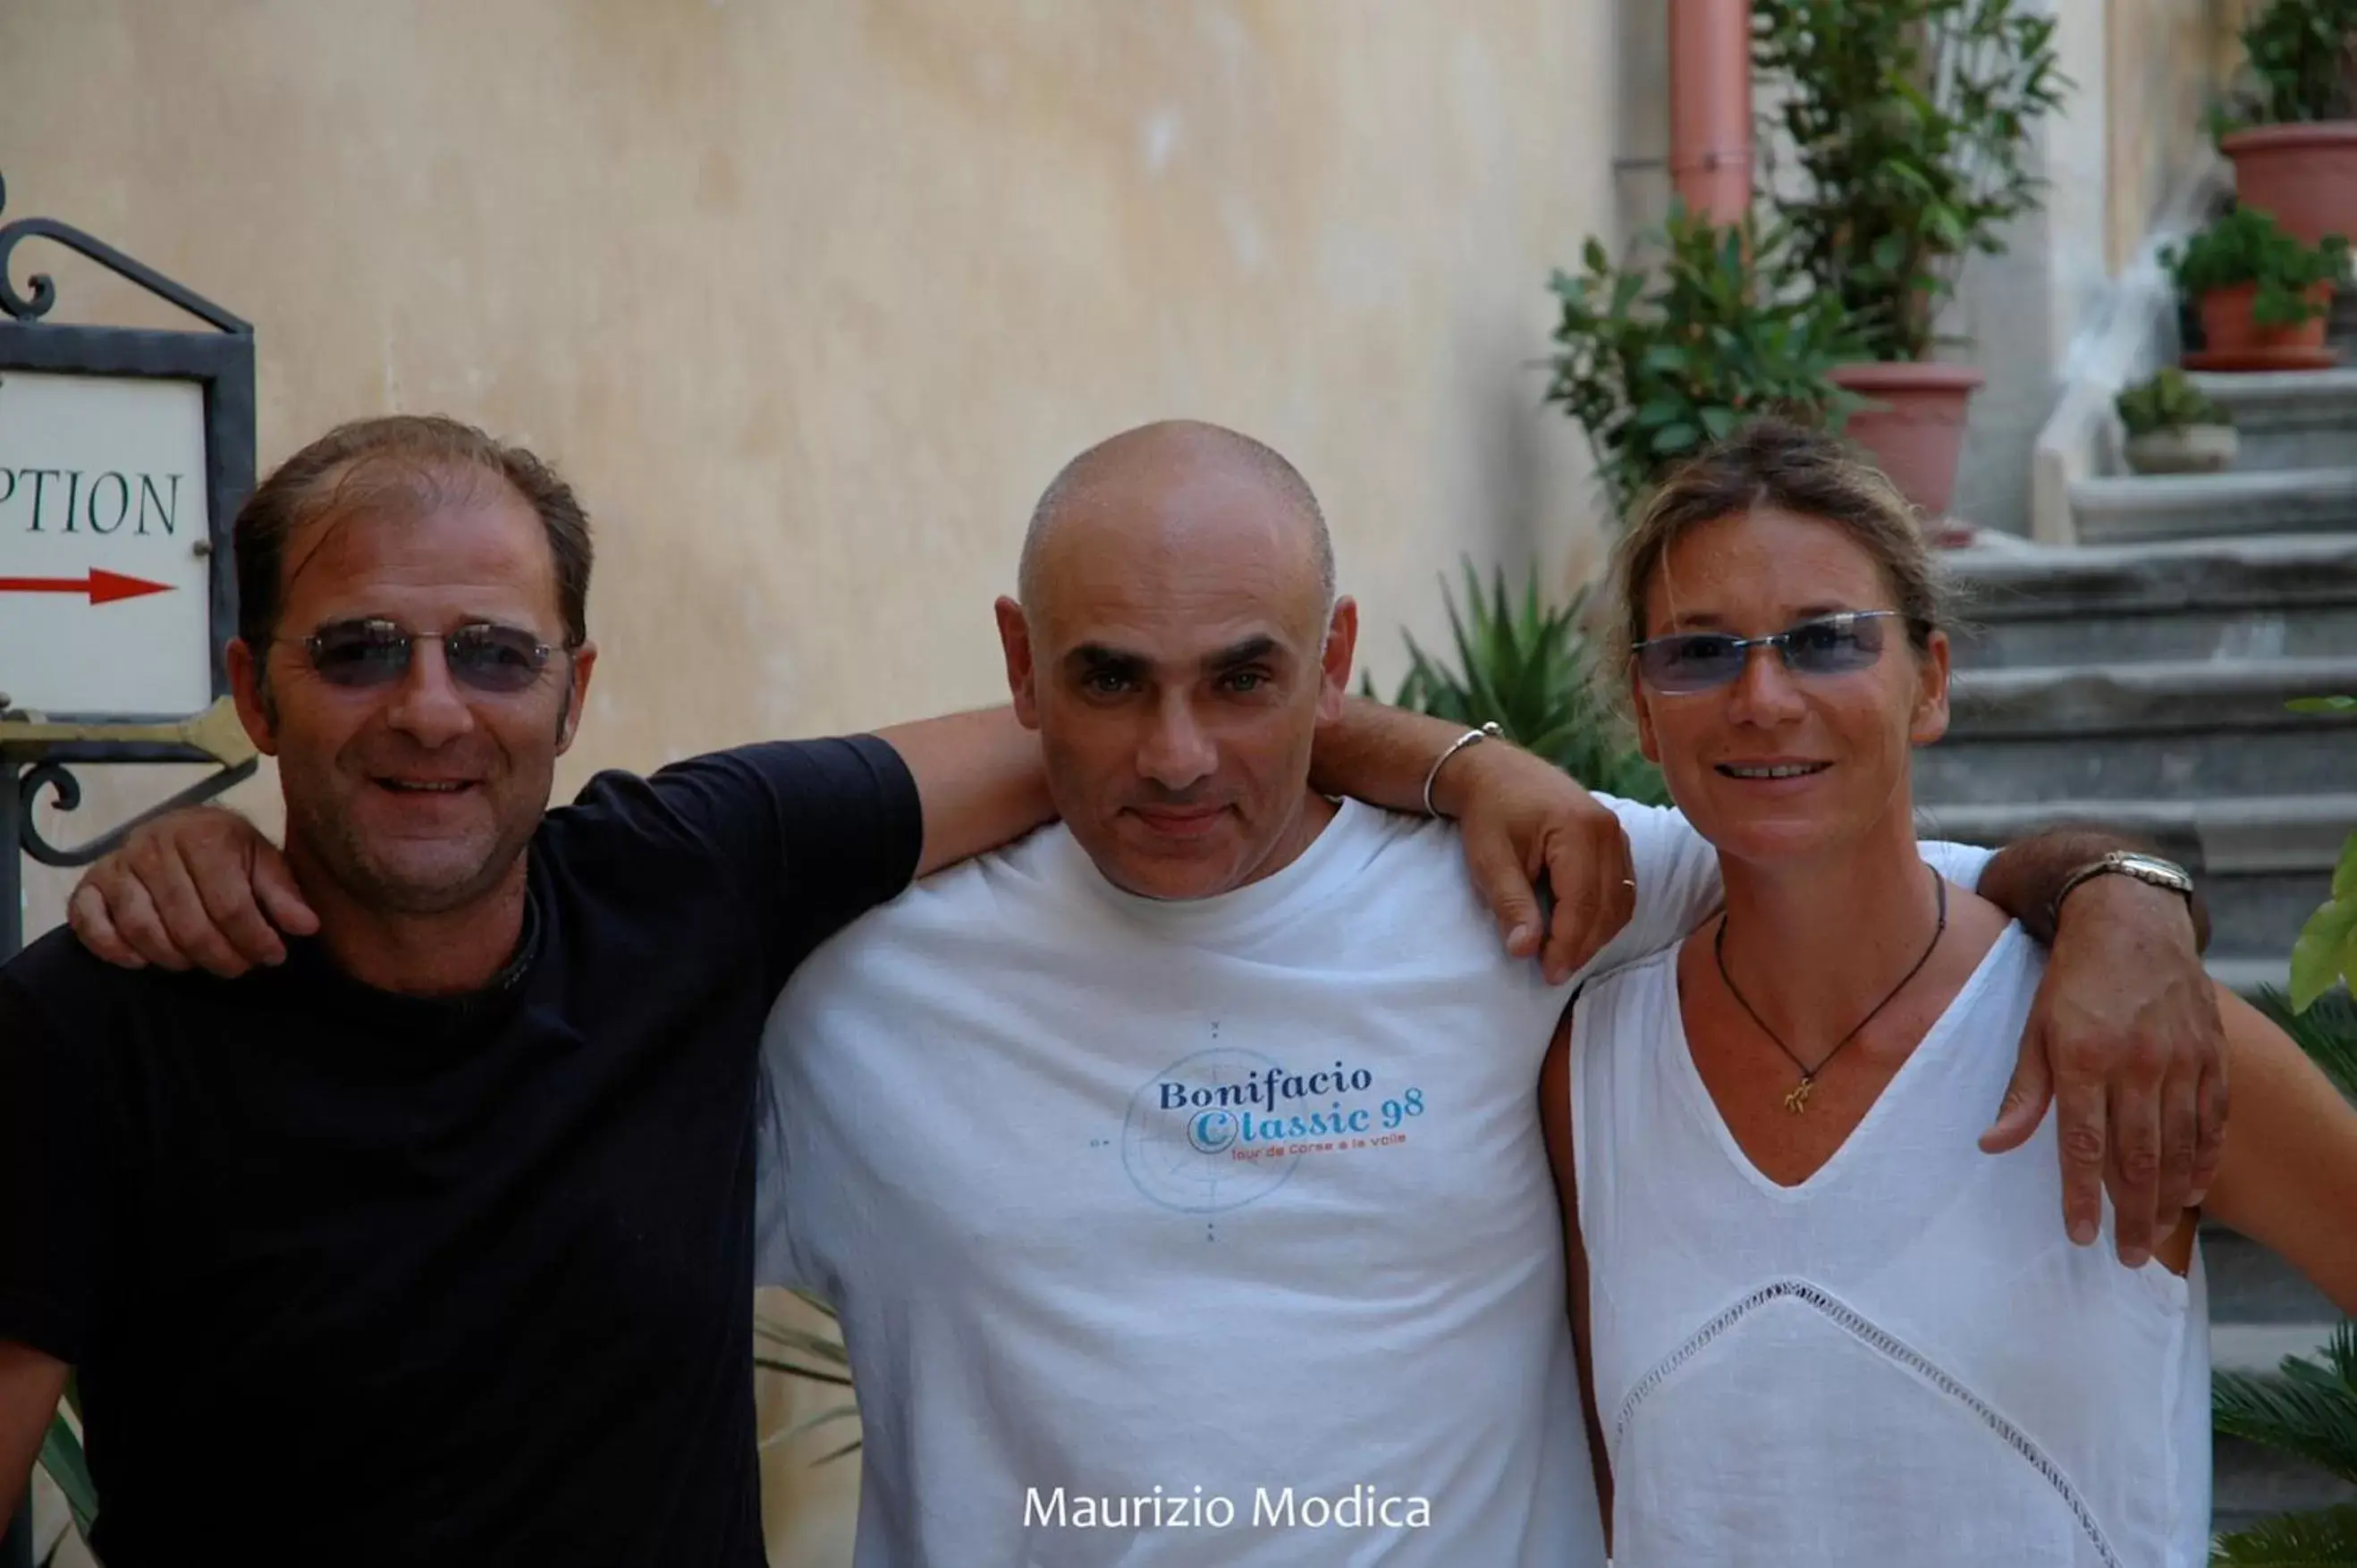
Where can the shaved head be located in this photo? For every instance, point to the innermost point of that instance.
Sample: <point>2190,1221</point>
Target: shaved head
<point>1095,476</point>
<point>1176,644</point>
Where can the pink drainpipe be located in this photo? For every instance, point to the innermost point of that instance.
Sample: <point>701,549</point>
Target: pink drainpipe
<point>1710,106</point>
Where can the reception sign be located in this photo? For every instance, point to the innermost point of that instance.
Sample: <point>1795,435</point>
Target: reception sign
<point>106,545</point>
<point>123,455</point>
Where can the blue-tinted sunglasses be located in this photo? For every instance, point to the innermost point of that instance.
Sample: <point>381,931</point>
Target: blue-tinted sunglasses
<point>1698,661</point>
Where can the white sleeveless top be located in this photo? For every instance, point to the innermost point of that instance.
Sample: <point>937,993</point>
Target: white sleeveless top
<point>1903,1359</point>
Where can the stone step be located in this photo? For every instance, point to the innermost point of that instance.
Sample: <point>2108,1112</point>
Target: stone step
<point>2261,915</point>
<point>2251,1288</point>
<point>2249,1483</point>
<point>2261,1310</point>
<point>2265,863</point>
<point>2270,596</point>
<point>2123,508</point>
<point>2288,419</point>
<point>2164,728</point>
<point>2247,975</point>
<point>2260,1348</point>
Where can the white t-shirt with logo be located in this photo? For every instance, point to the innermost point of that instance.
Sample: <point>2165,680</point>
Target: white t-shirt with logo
<point>1217,1232</point>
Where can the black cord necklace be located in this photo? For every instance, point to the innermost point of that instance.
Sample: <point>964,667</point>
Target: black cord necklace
<point>1797,1100</point>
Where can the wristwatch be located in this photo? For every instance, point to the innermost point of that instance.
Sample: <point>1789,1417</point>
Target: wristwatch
<point>2147,868</point>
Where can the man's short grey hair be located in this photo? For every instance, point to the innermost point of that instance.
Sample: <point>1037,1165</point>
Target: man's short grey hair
<point>1266,462</point>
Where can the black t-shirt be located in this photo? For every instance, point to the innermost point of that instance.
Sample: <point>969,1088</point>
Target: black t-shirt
<point>357,1278</point>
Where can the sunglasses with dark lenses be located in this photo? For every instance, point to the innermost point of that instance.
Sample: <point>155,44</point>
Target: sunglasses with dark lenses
<point>498,659</point>
<point>1699,661</point>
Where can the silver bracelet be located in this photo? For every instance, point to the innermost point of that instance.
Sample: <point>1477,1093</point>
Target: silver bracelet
<point>1470,737</point>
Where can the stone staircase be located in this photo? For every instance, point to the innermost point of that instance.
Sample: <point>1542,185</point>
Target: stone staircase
<point>2139,682</point>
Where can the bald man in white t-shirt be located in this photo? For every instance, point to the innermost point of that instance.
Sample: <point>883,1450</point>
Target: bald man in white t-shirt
<point>1176,1172</point>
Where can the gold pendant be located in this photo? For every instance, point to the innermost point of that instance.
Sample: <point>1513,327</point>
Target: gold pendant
<point>1798,1101</point>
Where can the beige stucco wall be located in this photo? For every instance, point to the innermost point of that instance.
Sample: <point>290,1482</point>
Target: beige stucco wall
<point>2144,73</point>
<point>2168,61</point>
<point>812,298</point>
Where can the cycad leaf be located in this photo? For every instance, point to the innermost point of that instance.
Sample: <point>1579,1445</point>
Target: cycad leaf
<point>817,1304</point>
<point>1529,667</point>
<point>2327,1031</point>
<point>2312,1416</point>
<point>800,1341</point>
<point>2326,1539</point>
<point>797,1369</point>
<point>809,1423</point>
<point>63,1457</point>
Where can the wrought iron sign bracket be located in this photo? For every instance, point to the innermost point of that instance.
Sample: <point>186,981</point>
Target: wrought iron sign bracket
<point>46,751</point>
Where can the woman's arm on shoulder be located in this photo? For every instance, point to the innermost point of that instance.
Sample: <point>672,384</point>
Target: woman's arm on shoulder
<point>2289,1175</point>
<point>1554,1118</point>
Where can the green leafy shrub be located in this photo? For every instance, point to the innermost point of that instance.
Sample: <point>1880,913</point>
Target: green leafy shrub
<point>2326,953</point>
<point>1655,361</point>
<point>1531,671</point>
<point>1911,122</point>
<point>2300,57</point>
<point>2248,246</point>
<point>2167,401</point>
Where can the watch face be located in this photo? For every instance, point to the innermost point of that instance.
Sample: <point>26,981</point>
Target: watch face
<point>2152,868</point>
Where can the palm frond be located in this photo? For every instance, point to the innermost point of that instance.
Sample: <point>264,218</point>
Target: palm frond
<point>800,1341</point>
<point>2306,1409</point>
<point>810,1423</point>
<point>795,1350</point>
<point>2327,1032</point>
<point>68,1466</point>
<point>1530,668</point>
<point>796,1370</point>
<point>2324,1539</point>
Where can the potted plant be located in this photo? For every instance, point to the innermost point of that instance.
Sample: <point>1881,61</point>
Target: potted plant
<point>1655,361</point>
<point>1532,670</point>
<point>2173,429</point>
<point>1911,122</point>
<point>2262,296</point>
<point>2293,136</point>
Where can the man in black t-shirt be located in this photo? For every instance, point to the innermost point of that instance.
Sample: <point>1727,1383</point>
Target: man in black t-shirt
<point>437,1236</point>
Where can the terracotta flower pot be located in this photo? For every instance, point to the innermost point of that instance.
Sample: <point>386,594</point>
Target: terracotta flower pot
<point>2305,175</point>
<point>2231,340</point>
<point>1912,425</point>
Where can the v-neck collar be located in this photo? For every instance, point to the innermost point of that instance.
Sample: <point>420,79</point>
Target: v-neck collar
<point>1935,1038</point>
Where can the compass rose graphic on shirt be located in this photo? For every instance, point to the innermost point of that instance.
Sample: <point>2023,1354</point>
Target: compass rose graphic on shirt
<point>1185,1143</point>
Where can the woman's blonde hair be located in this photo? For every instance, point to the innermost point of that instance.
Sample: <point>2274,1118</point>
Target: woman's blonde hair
<point>1775,463</point>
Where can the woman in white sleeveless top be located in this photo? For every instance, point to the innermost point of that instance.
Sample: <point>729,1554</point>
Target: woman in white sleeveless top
<point>1820,1326</point>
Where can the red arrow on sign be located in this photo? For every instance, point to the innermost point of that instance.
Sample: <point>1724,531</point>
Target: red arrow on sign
<point>104,587</point>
